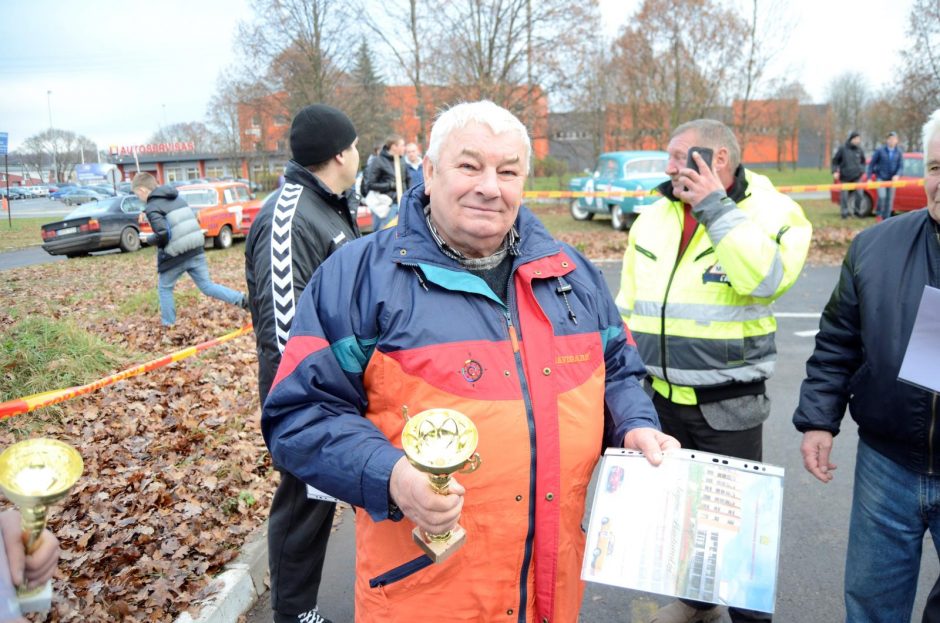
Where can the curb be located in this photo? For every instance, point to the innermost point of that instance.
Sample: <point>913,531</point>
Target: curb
<point>238,586</point>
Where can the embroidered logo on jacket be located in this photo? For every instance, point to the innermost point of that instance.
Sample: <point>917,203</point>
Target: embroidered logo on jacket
<point>472,371</point>
<point>715,274</point>
<point>578,358</point>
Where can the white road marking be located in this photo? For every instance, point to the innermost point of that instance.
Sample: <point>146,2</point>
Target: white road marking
<point>806,333</point>
<point>797,314</point>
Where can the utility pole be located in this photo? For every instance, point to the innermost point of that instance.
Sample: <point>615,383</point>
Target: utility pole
<point>55,164</point>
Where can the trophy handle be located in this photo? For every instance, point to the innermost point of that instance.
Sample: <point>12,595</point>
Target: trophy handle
<point>471,465</point>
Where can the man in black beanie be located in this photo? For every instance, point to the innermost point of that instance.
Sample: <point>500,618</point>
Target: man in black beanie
<point>300,224</point>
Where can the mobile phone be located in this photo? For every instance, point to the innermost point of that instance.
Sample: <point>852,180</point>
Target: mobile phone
<point>706,154</point>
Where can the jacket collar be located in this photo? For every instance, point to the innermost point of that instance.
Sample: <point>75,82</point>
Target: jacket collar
<point>416,244</point>
<point>737,193</point>
<point>301,175</point>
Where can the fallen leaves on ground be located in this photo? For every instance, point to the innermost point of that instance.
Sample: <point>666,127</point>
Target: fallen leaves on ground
<point>176,473</point>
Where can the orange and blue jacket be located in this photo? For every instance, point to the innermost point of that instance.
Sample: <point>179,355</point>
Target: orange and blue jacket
<point>549,376</point>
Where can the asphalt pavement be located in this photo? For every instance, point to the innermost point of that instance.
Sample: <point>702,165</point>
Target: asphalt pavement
<point>815,515</point>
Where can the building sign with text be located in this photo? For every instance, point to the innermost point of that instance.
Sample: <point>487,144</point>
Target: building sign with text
<point>151,148</point>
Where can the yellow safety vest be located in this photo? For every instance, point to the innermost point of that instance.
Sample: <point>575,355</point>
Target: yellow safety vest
<point>704,319</point>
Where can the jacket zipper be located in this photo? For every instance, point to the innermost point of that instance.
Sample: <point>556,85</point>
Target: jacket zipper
<point>530,418</point>
<point>933,425</point>
<point>662,314</point>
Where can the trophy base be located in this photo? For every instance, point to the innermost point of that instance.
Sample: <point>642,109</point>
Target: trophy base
<point>439,551</point>
<point>38,599</point>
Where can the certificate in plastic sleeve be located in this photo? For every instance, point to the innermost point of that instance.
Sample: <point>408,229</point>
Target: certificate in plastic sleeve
<point>699,526</point>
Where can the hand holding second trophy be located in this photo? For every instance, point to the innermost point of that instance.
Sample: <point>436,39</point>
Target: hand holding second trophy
<point>441,442</point>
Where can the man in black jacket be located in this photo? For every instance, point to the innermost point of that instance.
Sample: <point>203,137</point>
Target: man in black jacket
<point>863,335</point>
<point>848,165</point>
<point>379,177</point>
<point>180,242</point>
<point>298,227</point>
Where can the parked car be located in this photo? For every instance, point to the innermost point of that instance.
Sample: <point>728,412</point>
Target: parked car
<point>103,189</point>
<point>19,192</point>
<point>105,224</point>
<point>38,191</point>
<point>906,198</point>
<point>79,196</point>
<point>224,209</point>
<point>124,187</point>
<point>619,170</point>
<point>62,192</point>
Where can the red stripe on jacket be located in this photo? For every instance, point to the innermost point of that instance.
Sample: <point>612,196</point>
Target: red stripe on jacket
<point>298,348</point>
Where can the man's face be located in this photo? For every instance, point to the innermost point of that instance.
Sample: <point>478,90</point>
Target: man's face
<point>932,176</point>
<point>678,150</point>
<point>398,149</point>
<point>411,152</point>
<point>476,188</point>
<point>892,141</point>
<point>350,163</point>
<point>856,141</point>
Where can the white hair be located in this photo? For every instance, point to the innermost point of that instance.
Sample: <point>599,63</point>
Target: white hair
<point>484,112</point>
<point>931,128</point>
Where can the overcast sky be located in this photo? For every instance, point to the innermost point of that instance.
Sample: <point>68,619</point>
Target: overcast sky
<point>116,71</point>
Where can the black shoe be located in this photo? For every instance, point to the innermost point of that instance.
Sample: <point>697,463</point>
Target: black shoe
<point>245,304</point>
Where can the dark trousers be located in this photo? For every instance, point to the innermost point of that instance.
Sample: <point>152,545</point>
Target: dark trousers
<point>298,531</point>
<point>686,423</point>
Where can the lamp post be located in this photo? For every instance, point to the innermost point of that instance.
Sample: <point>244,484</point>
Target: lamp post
<point>55,165</point>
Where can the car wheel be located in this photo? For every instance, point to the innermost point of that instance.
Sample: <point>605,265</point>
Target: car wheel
<point>578,212</point>
<point>865,205</point>
<point>620,221</point>
<point>224,239</point>
<point>130,240</point>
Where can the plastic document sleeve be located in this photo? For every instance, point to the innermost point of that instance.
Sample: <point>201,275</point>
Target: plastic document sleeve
<point>699,526</point>
<point>920,366</point>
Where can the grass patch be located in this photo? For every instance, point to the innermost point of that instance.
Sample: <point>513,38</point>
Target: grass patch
<point>797,177</point>
<point>24,233</point>
<point>146,302</point>
<point>38,354</point>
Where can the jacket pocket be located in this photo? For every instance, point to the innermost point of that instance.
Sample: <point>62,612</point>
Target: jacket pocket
<point>400,572</point>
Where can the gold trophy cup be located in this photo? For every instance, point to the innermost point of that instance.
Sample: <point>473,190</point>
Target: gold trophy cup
<point>34,474</point>
<point>441,442</point>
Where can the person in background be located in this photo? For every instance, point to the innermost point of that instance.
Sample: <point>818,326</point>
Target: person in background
<point>298,227</point>
<point>413,160</point>
<point>848,165</point>
<point>701,269</point>
<point>380,178</point>
<point>863,335</point>
<point>885,166</point>
<point>470,304</point>
<point>180,246</point>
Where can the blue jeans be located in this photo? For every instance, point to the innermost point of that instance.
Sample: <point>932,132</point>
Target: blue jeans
<point>199,272</point>
<point>892,508</point>
<point>885,202</point>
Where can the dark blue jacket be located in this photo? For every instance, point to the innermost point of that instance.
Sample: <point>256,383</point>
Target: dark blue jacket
<point>863,334</point>
<point>886,163</point>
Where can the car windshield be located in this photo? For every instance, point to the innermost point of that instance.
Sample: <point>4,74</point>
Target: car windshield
<point>645,166</point>
<point>92,208</point>
<point>200,197</point>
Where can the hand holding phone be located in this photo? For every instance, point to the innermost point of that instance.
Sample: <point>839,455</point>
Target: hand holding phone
<point>705,152</point>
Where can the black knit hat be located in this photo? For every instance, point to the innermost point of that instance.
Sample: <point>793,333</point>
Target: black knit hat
<point>318,133</point>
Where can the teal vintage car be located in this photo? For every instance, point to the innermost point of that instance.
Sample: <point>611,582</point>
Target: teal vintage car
<point>619,170</point>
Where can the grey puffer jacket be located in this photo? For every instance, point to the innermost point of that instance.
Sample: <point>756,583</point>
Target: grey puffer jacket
<point>176,229</point>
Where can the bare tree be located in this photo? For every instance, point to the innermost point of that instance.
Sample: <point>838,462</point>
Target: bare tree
<point>184,132</point>
<point>403,30</point>
<point>848,94</point>
<point>767,19</point>
<point>678,56</point>
<point>303,45</point>
<point>918,93</point>
<point>58,149</point>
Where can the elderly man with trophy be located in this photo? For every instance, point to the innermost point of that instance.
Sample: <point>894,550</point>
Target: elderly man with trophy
<point>465,340</point>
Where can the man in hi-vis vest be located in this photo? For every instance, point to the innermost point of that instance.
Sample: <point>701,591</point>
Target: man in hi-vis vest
<point>701,269</point>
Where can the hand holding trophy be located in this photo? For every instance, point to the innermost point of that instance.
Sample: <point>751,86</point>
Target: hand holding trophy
<point>441,442</point>
<point>34,474</point>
